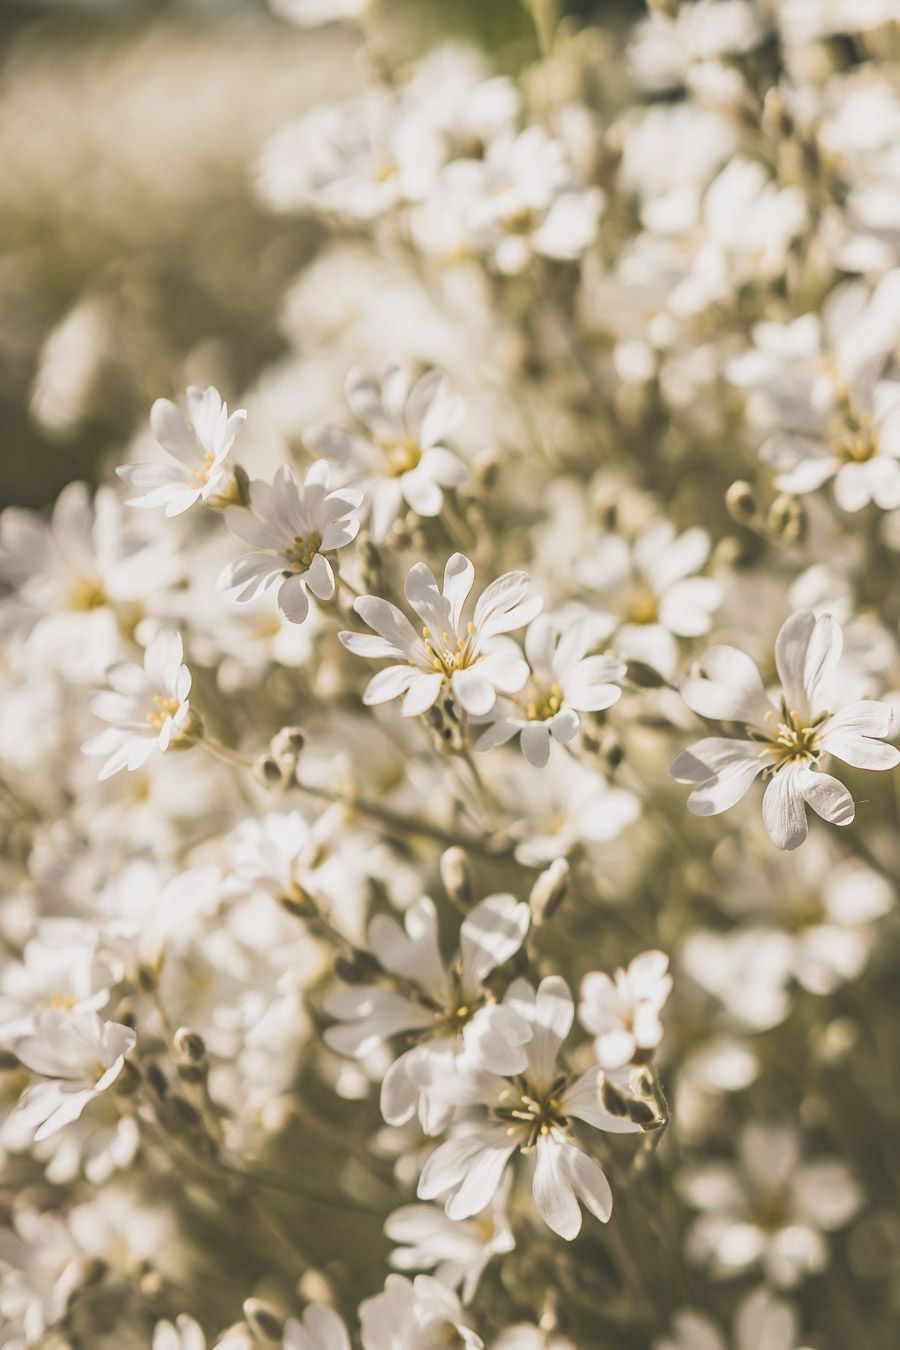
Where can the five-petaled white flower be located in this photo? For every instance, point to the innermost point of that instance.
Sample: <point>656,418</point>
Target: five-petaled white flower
<point>79,1054</point>
<point>623,1012</point>
<point>784,740</point>
<point>291,529</point>
<point>467,659</point>
<point>147,706</point>
<point>402,457</point>
<point>439,1003</point>
<point>563,682</point>
<point>199,447</point>
<point>457,1250</point>
<point>531,1112</point>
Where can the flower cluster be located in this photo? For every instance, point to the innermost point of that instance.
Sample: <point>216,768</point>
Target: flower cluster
<point>398,948</point>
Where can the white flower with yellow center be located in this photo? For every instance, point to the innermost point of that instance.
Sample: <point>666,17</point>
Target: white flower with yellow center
<point>419,1314</point>
<point>292,528</point>
<point>467,659</point>
<point>532,1112</point>
<point>563,682</point>
<point>199,448</point>
<point>622,1012</point>
<point>401,457</point>
<point>784,740</point>
<point>147,706</point>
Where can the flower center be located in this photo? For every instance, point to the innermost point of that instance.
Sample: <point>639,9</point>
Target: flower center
<point>86,594</point>
<point>641,606</point>
<point>802,910</point>
<point>162,710</point>
<point>855,441</point>
<point>444,658</point>
<point>200,474</point>
<point>795,743</point>
<point>532,1113</point>
<point>401,458</point>
<point>302,551</point>
<point>539,703</point>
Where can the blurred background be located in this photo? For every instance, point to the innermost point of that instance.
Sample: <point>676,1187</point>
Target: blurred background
<point>134,257</point>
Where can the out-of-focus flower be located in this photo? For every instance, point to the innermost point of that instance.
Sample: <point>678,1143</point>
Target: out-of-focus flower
<point>147,706</point>
<point>622,1013</point>
<point>439,1004</point>
<point>402,457</point>
<point>419,1314</point>
<point>199,448</point>
<point>773,1209</point>
<point>291,529</point>
<point>784,741</point>
<point>457,1250</point>
<point>466,659</point>
<point>763,1321</point>
<point>79,1054</point>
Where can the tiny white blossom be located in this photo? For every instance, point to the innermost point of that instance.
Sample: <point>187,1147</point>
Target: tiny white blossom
<point>784,741</point>
<point>199,448</point>
<point>147,706</point>
<point>623,1012</point>
<point>402,456</point>
<point>563,681</point>
<point>457,1250</point>
<point>466,659</point>
<point>291,529</point>
<point>79,1055</point>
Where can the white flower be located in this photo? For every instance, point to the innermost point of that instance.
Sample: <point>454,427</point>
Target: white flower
<point>61,966</point>
<point>401,457</point>
<point>563,682</point>
<point>199,447</point>
<point>623,1013</point>
<point>457,1250</point>
<point>762,1322</point>
<point>419,1314</point>
<point>79,1054</point>
<point>312,13</point>
<point>653,593</point>
<point>466,659</point>
<point>532,1112</point>
<point>147,706</point>
<point>440,1004</point>
<point>784,741</point>
<point>182,1334</point>
<point>773,1209</point>
<point>291,530</point>
<point>526,1336</point>
<point>320,1328</point>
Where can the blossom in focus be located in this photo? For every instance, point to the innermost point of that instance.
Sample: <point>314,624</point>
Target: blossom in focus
<point>773,1209</point>
<point>147,706</point>
<point>79,1055</point>
<point>198,447</point>
<point>622,1012</point>
<point>291,530</point>
<point>786,740</point>
<point>563,682</point>
<point>532,1112</point>
<point>401,457</point>
<point>419,1314</point>
<point>467,659</point>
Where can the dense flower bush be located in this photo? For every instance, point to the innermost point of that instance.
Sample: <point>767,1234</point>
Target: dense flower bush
<point>373,976</point>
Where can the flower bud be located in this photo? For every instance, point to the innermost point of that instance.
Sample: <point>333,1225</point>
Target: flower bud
<point>741,503</point>
<point>457,878</point>
<point>549,891</point>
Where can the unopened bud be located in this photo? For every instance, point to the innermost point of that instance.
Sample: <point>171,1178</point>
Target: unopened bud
<point>372,569</point>
<point>263,1321</point>
<point>741,503</point>
<point>356,968</point>
<point>189,1045</point>
<point>612,1098</point>
<point>457,877</point>
<point>299,902</point>
<point>549,891</point>
<point>485,470</point>
<point>787,520</point>
<point>270,773</point>
<point>611,750</point>
<point>288,743</point>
